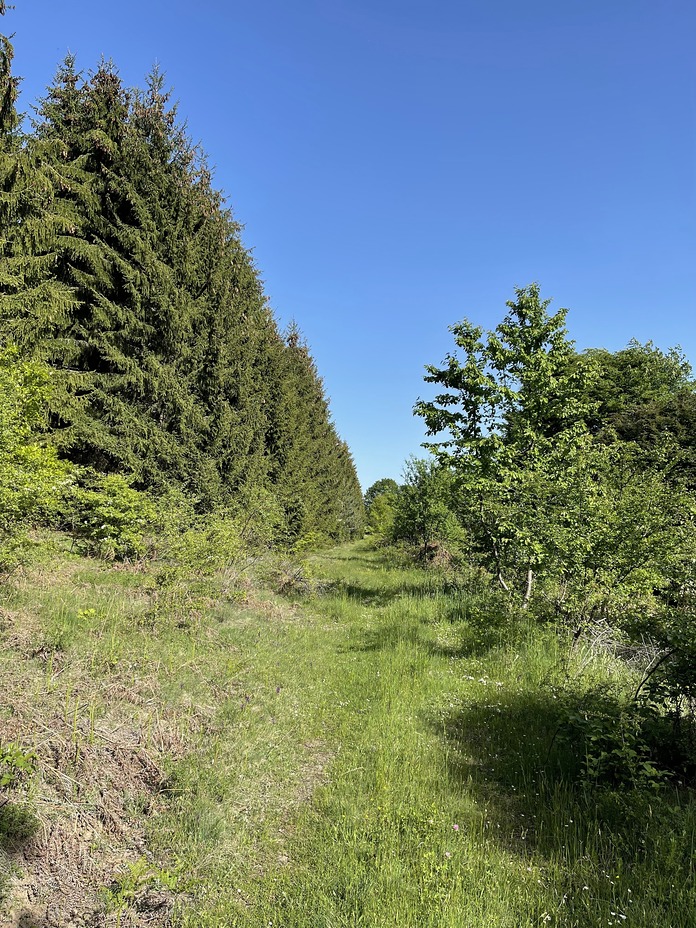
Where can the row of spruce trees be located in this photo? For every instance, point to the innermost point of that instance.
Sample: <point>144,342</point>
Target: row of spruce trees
<point>123,271</point>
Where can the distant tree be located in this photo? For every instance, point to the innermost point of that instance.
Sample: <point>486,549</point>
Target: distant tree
<point>424,506</point>
<point>311,467</point>
<point>385,485</point>
<point>667,425</point>
<point>379,519</point>
<point>380,506</point>
<point>646,396</point>
<point>638,375</point>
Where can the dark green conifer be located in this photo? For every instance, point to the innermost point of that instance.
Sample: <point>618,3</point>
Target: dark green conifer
<point>33,304</point>
<point>128,408</point>
<point>312,468</point>
<point>126,271</point>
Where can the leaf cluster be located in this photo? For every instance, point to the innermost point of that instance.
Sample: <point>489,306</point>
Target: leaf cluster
<point>578,508</point>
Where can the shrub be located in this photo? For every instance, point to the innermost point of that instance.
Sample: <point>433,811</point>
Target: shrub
<point>31,476</point>
<point>15,764</point>
<point>111,517</point>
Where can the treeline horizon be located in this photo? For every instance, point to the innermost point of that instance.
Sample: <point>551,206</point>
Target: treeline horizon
<point>126,282</point>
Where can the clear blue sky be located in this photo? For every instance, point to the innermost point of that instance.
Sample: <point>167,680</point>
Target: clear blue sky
<point>400,165</point>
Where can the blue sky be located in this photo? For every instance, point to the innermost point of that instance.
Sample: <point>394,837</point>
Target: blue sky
<point>400,165</point>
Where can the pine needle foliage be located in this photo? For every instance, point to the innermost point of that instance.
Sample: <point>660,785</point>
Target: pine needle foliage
<point>34,303</point>
<point>124,270</point>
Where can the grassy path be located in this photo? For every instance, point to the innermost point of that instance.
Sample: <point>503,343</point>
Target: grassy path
<point>382,754</point>
<point>436,804</point>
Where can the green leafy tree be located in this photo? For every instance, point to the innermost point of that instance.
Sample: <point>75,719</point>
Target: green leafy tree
<point>423,510</point>
<point>510,399</point>
<point>599,523</point>
<point>385,485</point>
<point>381,515</point>
<point>646,396</point>
<point>380,507</point>
<point>635,377</point>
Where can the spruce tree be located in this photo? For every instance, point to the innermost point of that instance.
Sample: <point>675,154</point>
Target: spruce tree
<point>33,304</point>
<point>312,468</point>
<point>125,269</point>
<point>129,408</point>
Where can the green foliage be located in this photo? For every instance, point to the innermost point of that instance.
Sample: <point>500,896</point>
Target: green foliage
<point>125,272</point>
<point>31,477</point>
<point>214,542</point>
<point>380,507</point>
<point>585,528</point>
<point>311,468</point>
<point>312,541</point>
<point>210,545</point>
<point>113,519</point>
<point>16,764</point>
<point>379,488</point>
<point>637,376</point>
<point>605,537</point>
<point>33,303</point>
<point>423,513</point>
<point>512,401</point>
<point>138,878</point>
<point>381,515</point>
<point>615,741</point>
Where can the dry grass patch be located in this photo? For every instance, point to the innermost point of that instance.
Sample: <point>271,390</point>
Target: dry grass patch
<point>80,819</point>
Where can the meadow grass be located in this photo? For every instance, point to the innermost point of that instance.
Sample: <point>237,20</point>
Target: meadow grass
<point>449,802</point>
<point>383,753</point>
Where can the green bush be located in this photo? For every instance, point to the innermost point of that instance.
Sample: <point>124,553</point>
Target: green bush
<point>112,519</point>
<point>32,478</point>
<point>618,744</point>
<point>212,542</point>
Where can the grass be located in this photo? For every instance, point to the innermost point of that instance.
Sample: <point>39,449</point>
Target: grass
<point>383,753</point>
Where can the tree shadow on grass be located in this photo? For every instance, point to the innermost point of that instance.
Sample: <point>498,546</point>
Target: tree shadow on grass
<point>611,843</point>
<point>377,561</point>
<point>374,563</point>
<point>471,642</point>
<point>467,640</point>
<point>388,636</point>
<point>379,596</point>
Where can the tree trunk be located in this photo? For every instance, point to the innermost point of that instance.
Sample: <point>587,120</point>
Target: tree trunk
<point>528,591</point>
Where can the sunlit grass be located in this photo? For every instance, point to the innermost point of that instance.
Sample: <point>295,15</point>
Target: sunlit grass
<point>383,753</point>
<point>446,805</point>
